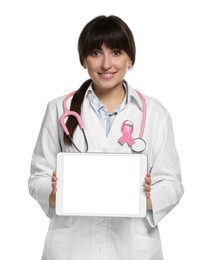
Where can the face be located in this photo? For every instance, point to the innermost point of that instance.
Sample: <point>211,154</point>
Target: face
<point>107,67</point>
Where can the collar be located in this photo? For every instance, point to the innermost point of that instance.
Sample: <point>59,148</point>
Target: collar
<point>93,98</point>
<point>131,96</point>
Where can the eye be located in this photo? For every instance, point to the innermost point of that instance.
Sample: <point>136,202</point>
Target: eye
<point>95,53</point>
<point>116,52</point>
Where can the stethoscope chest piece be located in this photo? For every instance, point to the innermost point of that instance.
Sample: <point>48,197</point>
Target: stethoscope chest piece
<point>139,145</point>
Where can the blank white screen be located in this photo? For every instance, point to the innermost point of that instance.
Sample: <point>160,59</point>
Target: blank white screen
<point>101,184</point>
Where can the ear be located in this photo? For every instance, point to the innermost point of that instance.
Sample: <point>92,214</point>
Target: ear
<point>129,64</point>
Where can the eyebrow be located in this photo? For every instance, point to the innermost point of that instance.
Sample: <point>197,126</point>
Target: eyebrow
<point>114,48</point>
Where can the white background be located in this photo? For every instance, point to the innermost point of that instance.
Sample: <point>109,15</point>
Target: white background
<point>175,64</point>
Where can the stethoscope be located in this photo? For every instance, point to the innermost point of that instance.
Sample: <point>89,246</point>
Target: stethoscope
<point>137,145</point>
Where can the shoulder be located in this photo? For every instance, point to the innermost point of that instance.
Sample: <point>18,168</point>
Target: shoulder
<point>56,102</point>
<point>154,103</point>
<point>153,106</point>
<point>54,107</point>
<point>156,109</point>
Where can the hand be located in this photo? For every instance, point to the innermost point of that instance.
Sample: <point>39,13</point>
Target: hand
<point>147,187</point>
<point>52,197</point>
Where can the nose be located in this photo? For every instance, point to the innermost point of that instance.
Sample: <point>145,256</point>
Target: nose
<point>106,62</point>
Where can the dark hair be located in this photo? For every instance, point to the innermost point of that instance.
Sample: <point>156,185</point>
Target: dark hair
<point>112,31</point>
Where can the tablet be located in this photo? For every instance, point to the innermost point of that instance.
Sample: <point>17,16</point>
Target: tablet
<point>100,184</point>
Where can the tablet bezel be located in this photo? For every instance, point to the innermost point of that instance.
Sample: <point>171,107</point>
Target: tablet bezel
<point>142,172</point>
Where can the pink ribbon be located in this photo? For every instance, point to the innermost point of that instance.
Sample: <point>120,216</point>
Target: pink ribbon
<point>127,129</point>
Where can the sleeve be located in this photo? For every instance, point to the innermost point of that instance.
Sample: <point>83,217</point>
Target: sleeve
<point>44,160</point>
<point>167,189</point>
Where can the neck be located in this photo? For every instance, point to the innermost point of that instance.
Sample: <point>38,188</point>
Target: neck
<point>111,98</point>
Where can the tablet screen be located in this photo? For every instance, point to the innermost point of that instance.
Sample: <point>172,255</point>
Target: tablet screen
<point>93,184</point>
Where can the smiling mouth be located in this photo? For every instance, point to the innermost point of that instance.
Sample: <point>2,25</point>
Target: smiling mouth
<point>106,75</point>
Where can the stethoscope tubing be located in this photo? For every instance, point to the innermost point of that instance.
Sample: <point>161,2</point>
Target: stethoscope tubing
<point>67,113</point>
<point>143,121</point>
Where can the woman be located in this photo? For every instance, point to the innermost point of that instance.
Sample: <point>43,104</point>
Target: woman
<point>107,50</point>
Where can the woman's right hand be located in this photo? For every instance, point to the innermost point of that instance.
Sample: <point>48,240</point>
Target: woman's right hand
<point>52,197</point>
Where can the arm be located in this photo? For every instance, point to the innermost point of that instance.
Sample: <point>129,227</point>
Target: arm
<point>44,159</point>
<point>166,188</point>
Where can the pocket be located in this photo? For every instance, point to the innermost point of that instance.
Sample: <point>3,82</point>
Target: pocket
<point>141,226</point>
<point>55,247</point>
<point>147,244</point>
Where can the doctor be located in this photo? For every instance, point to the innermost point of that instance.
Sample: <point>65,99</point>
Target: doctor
<point>107,50</point>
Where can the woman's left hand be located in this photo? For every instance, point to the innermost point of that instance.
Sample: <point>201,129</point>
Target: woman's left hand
<point>147,187</point>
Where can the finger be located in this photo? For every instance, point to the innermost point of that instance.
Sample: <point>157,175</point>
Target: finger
<point>54,189</point>
<point>148,188</point>
<point>148,179</point>
<point>146,184</point>
<point>148,194</point>
<point>54,179</point>
<point>54,184</point>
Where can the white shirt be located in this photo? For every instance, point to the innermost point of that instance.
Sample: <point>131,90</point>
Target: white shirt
<point>102,112</point>
<point>106,238</point>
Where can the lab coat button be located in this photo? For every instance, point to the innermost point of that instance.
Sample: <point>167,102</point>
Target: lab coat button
<point>100,219</point>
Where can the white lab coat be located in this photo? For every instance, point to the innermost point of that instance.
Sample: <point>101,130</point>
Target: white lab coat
<point>108,238</point>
